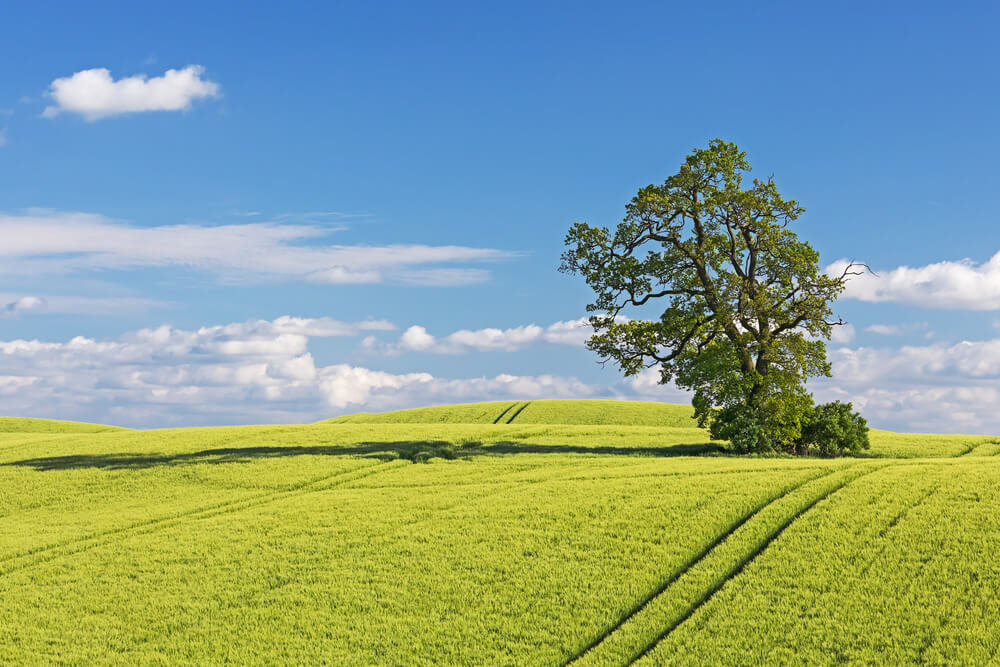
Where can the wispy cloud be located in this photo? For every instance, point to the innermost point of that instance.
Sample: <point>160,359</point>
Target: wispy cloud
<point>94,94</point>
<point>22,305</point>
<point>417,339</point>
<point>45,242</point>
<point>963,285</point>
<point>884,329</point>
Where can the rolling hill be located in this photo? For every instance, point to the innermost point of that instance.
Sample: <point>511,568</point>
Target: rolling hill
<point>591,533</point>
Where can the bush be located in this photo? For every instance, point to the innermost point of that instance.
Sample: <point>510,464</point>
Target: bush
<point>834,428</point>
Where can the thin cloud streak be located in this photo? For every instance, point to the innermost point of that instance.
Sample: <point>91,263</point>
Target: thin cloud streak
<point>49,243</point>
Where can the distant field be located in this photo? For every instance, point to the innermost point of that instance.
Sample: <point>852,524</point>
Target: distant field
<point>612,539</point>
<point>580,413</point>
<point>28,425</point>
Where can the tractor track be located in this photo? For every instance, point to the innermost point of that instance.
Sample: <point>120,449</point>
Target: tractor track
<point>640,646</point>
<point>23,560</point>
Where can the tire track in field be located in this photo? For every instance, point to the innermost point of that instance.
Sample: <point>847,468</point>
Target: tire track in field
<point>936,633</point>
<point>626,642</point>
<point>20,561</point>
<point>518,411</point>
<point>772,535</point>
<point>505,411</point>
<point>687,566</point>
<point>247,598</point>
<point>498,481</point>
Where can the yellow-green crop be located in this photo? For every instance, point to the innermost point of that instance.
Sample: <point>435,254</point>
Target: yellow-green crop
<point>516,543</point>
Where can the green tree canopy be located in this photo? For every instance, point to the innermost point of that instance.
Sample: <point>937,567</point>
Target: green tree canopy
<point>746,306</point>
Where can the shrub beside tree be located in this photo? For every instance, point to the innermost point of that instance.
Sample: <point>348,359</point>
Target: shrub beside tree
<point>746,307</point>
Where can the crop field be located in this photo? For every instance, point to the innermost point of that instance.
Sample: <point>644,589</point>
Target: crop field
<point>522,533</point>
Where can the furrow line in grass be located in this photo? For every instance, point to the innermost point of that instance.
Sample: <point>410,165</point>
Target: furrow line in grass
<point>505,411</point>
<point>430,514</point>
<point>595,478</point>
<point>906,510</point>
<point>20,561</point>
<point>895,521</point>
<point>760,535</point>
<point>518,411</point>
<point>698,580</point>
<point>589,653</point>
<point>936,632</point>
<point>971,446</point>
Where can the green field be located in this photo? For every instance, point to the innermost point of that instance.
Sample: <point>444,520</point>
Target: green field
<point>527,533</point>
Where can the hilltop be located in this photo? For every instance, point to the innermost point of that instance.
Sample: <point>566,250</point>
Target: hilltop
<point>581,412</point>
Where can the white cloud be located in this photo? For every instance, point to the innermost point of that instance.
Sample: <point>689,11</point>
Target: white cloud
<point>968,359</point>
<point>417,338</point>
<point>348,386</point>
<point>74,305</point>
<point>444,277</point>
<point>257,371</point>
<point>842,334</point>
<point>937,387</point>
<point>48,243</point>
<point>884,329</point>
<point>646,384</point>
<point>947,285</point>
<point>23,305</point>
<point>94,94</point>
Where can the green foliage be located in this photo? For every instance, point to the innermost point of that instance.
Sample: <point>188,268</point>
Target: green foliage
<point>834,428</point>
<point>745,304</point>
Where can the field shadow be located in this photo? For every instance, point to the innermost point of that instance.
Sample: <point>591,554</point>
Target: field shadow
<point>416,451</point>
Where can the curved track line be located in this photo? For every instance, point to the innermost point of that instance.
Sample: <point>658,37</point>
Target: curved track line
<point>518,411</point>
<point>505,411</point>
<point>68,548</point>
<point>772,535</point>
<point>689,564</point>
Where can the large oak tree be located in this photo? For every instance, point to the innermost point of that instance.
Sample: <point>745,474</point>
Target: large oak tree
<point>745,305</point>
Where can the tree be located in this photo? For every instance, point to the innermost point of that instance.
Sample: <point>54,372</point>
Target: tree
<point>747,307</point>
<point>834,428</point>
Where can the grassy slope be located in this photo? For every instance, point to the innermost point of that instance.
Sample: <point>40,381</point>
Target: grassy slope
<point>573,412</point>
<point>28,425</point>
<point>534,544</point>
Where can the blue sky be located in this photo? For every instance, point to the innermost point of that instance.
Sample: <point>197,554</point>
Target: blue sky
<point>363,169</point>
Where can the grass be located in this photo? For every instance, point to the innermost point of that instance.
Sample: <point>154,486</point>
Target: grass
<point>29,425</point>
<point>578,413</point>
<point>437,536</point>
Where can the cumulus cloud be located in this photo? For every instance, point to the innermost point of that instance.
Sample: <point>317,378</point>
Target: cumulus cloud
<point>94,94</point>
<point>256,371</point>
<point>963,285</point>
<point>418,339</point>
<point>345,386</point>
<point>938,387</point>
<point>49,243</point>
<point>842,334</point>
